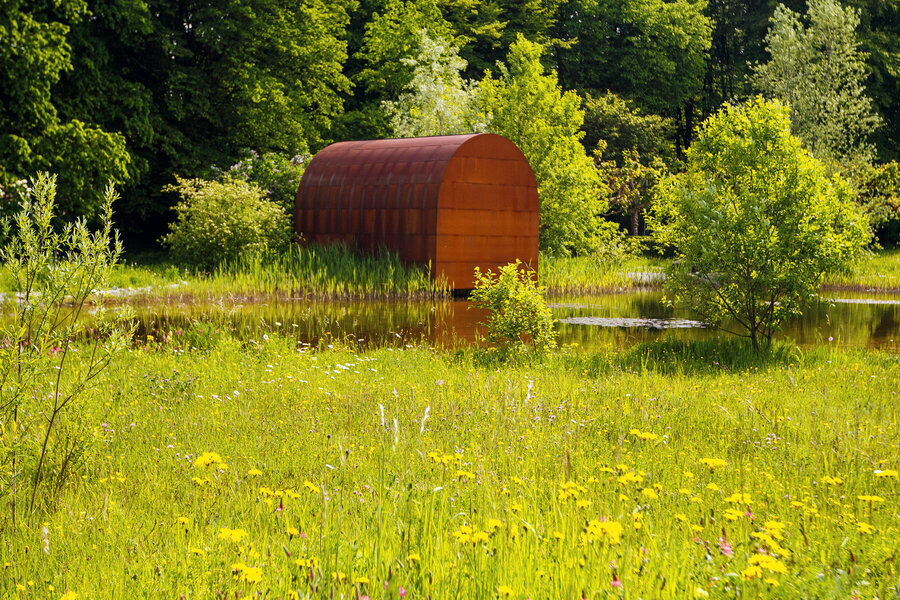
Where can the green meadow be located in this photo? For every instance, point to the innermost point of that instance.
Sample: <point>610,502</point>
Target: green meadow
<point>218,468</point>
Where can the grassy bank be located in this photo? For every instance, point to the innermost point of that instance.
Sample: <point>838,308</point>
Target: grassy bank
<point>878,271</point>
<point>669,472</point>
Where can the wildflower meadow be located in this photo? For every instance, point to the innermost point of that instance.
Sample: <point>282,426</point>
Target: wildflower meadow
<point>220,468</point>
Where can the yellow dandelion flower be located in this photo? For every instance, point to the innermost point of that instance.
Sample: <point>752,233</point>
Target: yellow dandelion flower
<point>361,580</point>
<point>206,459</point>
<point>681,517</point>
<point>650,493</point>
<point>559,535</point>
<point>714,463</point>
<point>607,531</point>
<point>70,595</point>
<point>505,591</point>
<point>732,514</point>
<point>414,557</point>
<point>630,477</point>
<point>184,520</point>
<point>583,503</point>
<point>712,486</point>
<point>866,498</point>
<point>887,473</point>
<point>480,537</point>
<point>235,536</point>
<point>311,487</point>
<point>771,581</point>
<point>829,480</point>
<point>254,473</point>
<point>739,498</point>
<point>864,528</point>
<point>643,435</point>
<point>752,572</point>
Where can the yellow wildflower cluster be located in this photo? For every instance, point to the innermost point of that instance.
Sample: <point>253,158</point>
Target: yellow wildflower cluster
<point>714,463</point>
<point>210,458</point>
<point>643,435</point>
<point>604,531</point>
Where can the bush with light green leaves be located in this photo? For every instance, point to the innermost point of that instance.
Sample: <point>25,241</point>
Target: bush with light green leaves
<point>519,320</point>
<point>221,222</point>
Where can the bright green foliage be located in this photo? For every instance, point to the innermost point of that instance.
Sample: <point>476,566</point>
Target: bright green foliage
<point>817,68</point>
<point>192,84</point>
<point>653,52</point>
<point>43,435</point>
<point>519,316</point>
<point>879,194</point>
<point>622,126</point>
<point>631,184</point>
<point>490,27</point>
<point>437,101</point>
<point>276,174</point>
<point>219,222</point>
<point>34,52</point>
<point>528,106</point>
<point>755,222</point>
<point>392,40</point>
<point>879,38</point>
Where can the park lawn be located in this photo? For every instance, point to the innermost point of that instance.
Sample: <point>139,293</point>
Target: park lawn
<point>265,469</point>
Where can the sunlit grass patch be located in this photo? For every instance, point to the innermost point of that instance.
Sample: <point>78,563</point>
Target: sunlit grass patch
<point>266,469</point>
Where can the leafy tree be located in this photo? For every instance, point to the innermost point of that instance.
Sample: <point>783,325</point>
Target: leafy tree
<point>619,126</point>
<point>518,312</point>
<point>391,44</point>
<point>437,101</point>
<point>631,184</point>
<point>527,106</point>
<point>754,222</point>
<point>190,84</point>
<point>879,39</point>
<point>817,68</point>
<point>490,27</point>
<point>34,54</point>
<point>650,51</point>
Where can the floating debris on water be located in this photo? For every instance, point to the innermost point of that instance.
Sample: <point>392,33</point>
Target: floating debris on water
<point>634,322</point>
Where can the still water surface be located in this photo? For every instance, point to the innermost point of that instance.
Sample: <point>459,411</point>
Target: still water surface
<point>617,320</point>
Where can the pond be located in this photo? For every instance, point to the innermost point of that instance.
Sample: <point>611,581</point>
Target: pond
<point>617,320</point>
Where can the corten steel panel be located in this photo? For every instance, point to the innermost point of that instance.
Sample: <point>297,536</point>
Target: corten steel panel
<point>454,201</point>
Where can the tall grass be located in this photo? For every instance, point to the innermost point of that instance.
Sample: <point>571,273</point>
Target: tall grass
<point>589,275</point>
<point>333,272</point>
<point>662,473</point>
<point>879,270</point>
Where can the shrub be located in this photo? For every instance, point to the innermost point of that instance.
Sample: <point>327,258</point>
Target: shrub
<point>42,434</point>
<point>276,174</point>
<point>224,221</point>
<point>755,222</point>
<point>519,316</point>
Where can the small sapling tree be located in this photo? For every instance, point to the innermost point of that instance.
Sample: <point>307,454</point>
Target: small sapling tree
<point>519,316</point>
<point>49,354</point>
<point>755,222</point>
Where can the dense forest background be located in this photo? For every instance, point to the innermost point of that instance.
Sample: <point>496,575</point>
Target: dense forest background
<point>142,91</point>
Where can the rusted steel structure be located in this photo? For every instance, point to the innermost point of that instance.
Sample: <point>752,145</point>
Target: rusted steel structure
<point>457,201</point>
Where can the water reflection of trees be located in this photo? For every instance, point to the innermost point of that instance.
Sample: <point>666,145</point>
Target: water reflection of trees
<point>447,323</point>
